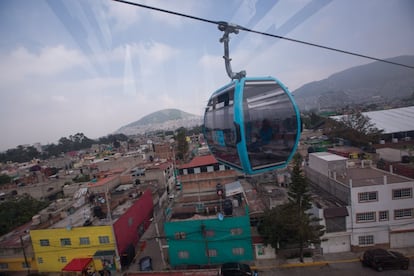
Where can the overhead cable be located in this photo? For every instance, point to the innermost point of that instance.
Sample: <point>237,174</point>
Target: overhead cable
<point>264,33</point>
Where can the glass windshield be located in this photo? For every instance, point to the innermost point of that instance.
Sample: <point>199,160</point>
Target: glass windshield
<point>220,129</point>
<point>270,123</point>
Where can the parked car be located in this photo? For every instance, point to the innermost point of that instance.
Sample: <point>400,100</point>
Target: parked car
<point>381,259</point>
<point>234,268</point>
<point>145,263</point>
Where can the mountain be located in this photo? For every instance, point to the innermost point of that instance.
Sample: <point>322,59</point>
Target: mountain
<point>166,119</point>
<point>376,82</point>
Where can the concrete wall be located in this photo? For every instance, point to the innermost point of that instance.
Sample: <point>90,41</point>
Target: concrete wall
<point>333,187</point>
<point>218,236</point>
<point>381,230</point>
<point>192,183</point>
<point>52,256</point>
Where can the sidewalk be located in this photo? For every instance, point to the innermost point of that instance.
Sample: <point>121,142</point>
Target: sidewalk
<point>326,259</point>
<point>269,264</point>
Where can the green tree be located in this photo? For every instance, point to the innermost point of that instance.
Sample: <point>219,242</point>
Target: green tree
<point>182,144</point>
<point>277,227</point>
<point>290,224</point>
<point>14,213</point>
<point>5,179</point>
<point>308,229</point>
<point>356,128</point>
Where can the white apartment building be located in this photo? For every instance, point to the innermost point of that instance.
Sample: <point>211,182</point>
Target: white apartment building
<point>378,206</point>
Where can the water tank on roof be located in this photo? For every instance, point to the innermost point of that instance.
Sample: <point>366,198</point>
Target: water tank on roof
<point>36,220</point>
<point>228,207</point>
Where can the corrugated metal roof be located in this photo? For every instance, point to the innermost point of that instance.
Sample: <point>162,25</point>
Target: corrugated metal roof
<point>199,161</point>
<point>391,120</point>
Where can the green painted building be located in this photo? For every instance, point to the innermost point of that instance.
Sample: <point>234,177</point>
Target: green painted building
<point>209,240</point>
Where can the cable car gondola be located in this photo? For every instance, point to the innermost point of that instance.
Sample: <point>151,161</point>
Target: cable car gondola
<point>251,124</point>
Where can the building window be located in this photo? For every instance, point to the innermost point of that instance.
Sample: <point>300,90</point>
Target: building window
<point>190,170</point>
<point>222,167</point>
<point>180,235</point>
<point>336,224</point>
<point>185,172</point>
<point>365,217</point>
<point>65,242</point>
<point>103,239</point>
<point>197,170</point>
<point>4,265</point>
<point>368,196</point>
<point>238,251</point>
<point>63,259</point>
<point>211,253</point>
<point>236,231</point>
<point>39,260</point>
<point>44,243</point>
<point>210,169</point>
<point>209,233</point>
<point>183,254</point>
<point>203,169</point>
<point>402,193</point>
<point>366,240</point>
<point>84,240</point>
<point>403,213</point>
<point>383,215</point>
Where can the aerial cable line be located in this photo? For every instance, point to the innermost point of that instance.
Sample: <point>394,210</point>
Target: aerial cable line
<point>264,33</point>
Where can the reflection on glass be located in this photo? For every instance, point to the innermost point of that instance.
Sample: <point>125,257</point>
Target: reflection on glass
<point>270,124</point>
<point>219,128</point>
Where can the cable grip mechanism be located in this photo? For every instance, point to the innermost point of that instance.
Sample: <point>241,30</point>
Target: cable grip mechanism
<point>228,29</point>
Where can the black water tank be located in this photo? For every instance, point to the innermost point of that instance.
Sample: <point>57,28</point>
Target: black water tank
<point>228,207</point>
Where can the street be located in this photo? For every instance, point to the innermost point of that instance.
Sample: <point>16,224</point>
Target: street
<point>340,269</point>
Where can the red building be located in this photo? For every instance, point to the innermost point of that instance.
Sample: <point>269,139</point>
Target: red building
<point>130,226</point>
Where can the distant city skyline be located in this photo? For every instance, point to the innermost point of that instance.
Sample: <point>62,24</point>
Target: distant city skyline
<point>94,66</point>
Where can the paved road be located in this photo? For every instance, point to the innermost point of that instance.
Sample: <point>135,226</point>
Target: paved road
<point>152,247</point>
<point>337,269</point>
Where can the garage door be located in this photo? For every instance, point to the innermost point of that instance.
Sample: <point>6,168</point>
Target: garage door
<point>336,244</point>
<point>401,240</point>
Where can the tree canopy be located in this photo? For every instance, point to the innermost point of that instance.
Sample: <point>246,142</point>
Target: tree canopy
<point>19,211</point>
<point>356,128</point>
<point>182,144</point>
<point>291,225</point>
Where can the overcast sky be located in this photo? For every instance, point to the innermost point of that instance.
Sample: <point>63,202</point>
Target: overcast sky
<point>92,66</point>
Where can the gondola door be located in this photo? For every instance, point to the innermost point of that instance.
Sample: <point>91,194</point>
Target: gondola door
<point>271,124</point>
<point>221,132</point>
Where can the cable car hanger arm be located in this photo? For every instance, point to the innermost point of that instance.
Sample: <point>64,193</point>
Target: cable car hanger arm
<point>228,29</point>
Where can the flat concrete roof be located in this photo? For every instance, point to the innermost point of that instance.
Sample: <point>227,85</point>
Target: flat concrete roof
<point>368,177</point>
<point>327,156</point>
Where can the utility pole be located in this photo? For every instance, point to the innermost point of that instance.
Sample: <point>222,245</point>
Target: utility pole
<point>159,240</point>
<point>204,233</point>
<point>25,257</point>
<point>109,216</point>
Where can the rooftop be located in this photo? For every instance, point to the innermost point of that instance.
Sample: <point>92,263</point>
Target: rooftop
<point>369,176</point>
<point>391,120</point>
<point>208,204</point>
<point>199,161</point>
<point>327,156</point>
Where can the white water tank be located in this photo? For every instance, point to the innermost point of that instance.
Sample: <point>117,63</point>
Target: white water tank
<point>36,220</point>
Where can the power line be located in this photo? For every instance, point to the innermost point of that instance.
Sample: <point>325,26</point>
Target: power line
<point>264,33</point>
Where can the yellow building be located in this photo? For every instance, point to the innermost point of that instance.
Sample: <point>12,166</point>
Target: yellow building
<point>16,253</point>
<point>55,249</point>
